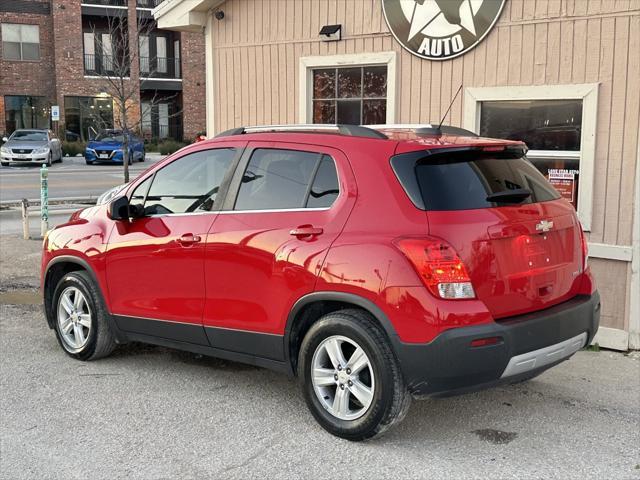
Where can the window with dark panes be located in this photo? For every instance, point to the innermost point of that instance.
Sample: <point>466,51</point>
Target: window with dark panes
<point>25,112</point>
<point>325,188</point>
<point>551,129</point>
<point>87,116</point>
<point>350,95</point>
<point>20,42</point>
<point>188,184</point>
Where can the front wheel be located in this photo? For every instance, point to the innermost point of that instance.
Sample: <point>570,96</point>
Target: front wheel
<point>49,160</point>
<point>80,318</point>
<point>350,377</point>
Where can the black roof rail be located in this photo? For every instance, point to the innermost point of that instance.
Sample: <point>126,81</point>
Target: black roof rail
<point>350,130</point>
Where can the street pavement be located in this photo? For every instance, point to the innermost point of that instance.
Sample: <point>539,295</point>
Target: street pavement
<point>149,412</point>
<point>71,178</point>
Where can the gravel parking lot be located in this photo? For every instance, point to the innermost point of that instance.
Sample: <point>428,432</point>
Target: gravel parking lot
<point>151,412</point>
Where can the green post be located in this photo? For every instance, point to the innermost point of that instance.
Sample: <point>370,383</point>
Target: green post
<point>44,200</point>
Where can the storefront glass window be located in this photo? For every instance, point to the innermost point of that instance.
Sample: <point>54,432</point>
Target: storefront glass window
<point>541,124</point>
<point>353,95</point>
<point>25,112</point>
<point>552,131</point>
<point>86,116</point>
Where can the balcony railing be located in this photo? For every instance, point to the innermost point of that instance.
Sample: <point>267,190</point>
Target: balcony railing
<point>106,3</point>
<point>160,67</point>
<point>148,3</point>
<point>103,65</point>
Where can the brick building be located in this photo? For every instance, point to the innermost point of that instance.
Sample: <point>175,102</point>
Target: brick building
<point>57,52</point>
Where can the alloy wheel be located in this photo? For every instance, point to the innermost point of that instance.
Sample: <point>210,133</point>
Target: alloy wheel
<point>74,319</point>
<point>342,377</point>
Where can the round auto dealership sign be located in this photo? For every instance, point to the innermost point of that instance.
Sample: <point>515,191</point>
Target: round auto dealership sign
<point>440,29</point>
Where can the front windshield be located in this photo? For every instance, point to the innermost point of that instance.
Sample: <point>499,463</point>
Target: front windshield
<point>29,136</point>
<point>110,137</point>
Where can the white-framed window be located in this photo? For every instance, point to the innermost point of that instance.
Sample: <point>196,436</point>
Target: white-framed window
<point>558,123</point>
<point>20,42</point>
<point>350,89</point>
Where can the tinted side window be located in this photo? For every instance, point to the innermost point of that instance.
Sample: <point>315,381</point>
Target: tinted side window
<point>276,179</point>
<point>189,184</point>
<point>324,189</point>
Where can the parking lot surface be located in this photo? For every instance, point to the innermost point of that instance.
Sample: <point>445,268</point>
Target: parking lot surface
<point>150,412</point>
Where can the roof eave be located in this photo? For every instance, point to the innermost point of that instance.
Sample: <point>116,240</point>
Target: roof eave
<point>184,15</point>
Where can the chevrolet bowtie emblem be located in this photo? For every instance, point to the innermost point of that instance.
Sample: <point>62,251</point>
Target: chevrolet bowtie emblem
<point>544,226</point>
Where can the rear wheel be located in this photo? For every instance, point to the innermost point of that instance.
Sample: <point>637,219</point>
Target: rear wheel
<point>350,377</point>
<point>81,323</point>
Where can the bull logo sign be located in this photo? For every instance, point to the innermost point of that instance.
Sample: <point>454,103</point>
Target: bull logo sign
<point>440,29</point>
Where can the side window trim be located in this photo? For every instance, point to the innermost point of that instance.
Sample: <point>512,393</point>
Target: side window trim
<point>228,205</point>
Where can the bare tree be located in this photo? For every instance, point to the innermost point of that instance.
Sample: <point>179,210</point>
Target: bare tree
<point>118,53</point>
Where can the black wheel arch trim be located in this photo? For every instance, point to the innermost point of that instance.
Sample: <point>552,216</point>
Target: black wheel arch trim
<point>120,336</point>
<point>329,296</point>
<point>71,259</point>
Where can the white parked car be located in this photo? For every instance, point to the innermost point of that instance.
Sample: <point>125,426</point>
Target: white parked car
<point>31,146</point>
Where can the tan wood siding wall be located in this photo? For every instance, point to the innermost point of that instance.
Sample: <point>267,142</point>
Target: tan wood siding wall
<point>535,42</point>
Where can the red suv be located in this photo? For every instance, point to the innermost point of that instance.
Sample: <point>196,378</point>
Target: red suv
<point>374,264</point>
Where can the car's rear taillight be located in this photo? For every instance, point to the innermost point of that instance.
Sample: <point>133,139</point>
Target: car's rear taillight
<point>438,266</point>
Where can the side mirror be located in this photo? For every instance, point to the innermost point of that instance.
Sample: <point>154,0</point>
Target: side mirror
<point>119,209</point>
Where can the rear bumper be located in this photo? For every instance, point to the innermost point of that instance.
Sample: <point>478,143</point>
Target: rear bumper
<point>528,345</point>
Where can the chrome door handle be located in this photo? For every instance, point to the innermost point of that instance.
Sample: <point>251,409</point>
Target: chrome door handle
<point>306,231</point>
<point>189,239</point>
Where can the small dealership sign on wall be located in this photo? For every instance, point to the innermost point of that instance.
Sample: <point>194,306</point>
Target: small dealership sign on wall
<point>440,29</point>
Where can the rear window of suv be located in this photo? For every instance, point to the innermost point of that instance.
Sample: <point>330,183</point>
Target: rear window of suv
<point>470,180</point>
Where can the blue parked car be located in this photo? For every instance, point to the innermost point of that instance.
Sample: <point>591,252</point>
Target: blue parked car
<point>107,148</point>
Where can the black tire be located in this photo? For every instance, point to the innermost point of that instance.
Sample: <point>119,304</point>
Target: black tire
<point>391,399</point>
<point>101,340</point>
<point>4,164</point>
<point>49,160</point>
<point>88,162</point>
<point>144,154</point>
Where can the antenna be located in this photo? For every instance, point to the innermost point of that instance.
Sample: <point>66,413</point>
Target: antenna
<point>450,105</point>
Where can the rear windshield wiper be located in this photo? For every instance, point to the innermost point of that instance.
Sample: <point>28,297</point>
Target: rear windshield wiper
<point>509,196</point>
